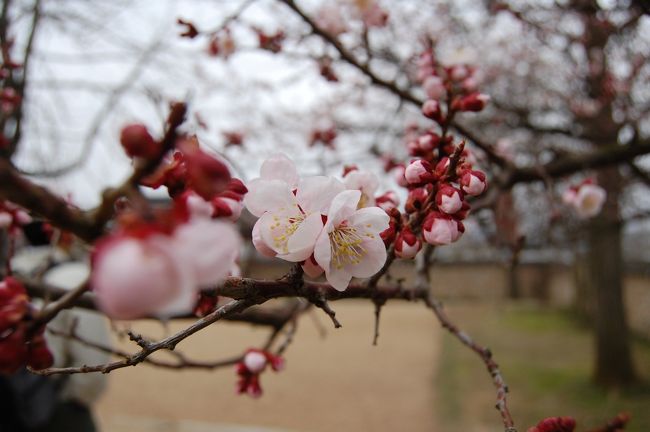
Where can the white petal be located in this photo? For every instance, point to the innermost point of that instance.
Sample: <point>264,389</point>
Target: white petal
<point>372,219</point>
<point>280,167</point>
<point>267,195</point>
<point>277,227</point>
<point>343,206</point>
<point>301,243</point>
<point>322,250</point>
<point>315,194</point>
<point>258,242</point>
<point>338,278</point>
<point>373,260</point>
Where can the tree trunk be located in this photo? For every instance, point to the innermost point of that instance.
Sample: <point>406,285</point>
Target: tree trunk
<point>614,366</point>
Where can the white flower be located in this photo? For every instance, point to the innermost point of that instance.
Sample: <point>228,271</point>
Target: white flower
<point>364,181</point>
<point>350,244</point>
<point>277,173</point>
<point>589,200</point>
<point>292,223</point>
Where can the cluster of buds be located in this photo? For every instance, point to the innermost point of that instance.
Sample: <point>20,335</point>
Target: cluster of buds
<point>251,367</point>
<point>190,168</point>
<point>458,84</point>
<point>323,136</point>
<point>12,217</point>
<point>441,177</point>
<point>586,199</point>
<point>555,424</point>
<point>19,345</point>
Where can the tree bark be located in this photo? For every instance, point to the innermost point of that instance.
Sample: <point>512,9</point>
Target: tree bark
<point>614,366</point>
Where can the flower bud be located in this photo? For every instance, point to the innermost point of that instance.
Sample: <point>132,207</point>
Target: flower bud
<point>449,199</point>
<point>589,200</point>
<point>387,201</point>
<point>434,87</point>
<point>473,183</point>
<point>418,172</point>
<point>407,244</point>
<point>472,102</point>
<point>439,229</point>
<point>431,109</point>
<point>416,199</point>
<point>138,142</point>
<point>555,424</point>
<point>255,361</point>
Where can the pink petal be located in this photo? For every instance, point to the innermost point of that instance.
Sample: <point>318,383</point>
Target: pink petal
<point>280,167</point>
<point>301,243</point>
<point>315,194</point>
<point>267,195</point>
<point>343,206</point>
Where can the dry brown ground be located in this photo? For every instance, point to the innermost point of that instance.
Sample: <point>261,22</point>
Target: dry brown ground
<point>340,383</point>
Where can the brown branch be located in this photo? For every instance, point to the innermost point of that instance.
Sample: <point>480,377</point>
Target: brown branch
<point>168,343</point>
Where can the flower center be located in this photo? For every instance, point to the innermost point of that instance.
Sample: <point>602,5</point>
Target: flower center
<point>345,244</point>
<point>284,227</point>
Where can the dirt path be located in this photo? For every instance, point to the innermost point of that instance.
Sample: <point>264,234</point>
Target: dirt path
<point>340,383</point>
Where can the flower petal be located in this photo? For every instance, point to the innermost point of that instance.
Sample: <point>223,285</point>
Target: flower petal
<point>372,261</point>
<point>301,243</point>
<point>315,194</point>
<point>267,195</point>
<point>338,278</point>
<point>343,206</point>
<point>372,219</point>
<point>323,250</point>
<point>280,167</point>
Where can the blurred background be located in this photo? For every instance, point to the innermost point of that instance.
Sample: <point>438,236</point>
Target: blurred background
<point>563,303</point>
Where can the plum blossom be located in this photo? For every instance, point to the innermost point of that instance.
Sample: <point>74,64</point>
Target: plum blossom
<point>158,273</point>
<point>292,222</point>
<point>276,172</point>
<point>364,181</point>
<point>586,199</point>
<point>350,244</point>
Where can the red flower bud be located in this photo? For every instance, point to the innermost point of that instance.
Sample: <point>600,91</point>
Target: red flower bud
<point>407,244</point>
<point>555,424</point>
<point>416,199</point>
<point>137,142</point>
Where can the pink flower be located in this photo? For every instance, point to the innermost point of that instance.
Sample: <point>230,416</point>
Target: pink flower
<point>435,87</point>
<point>329,19</point>
<point>589,200</point>
<point>473,183</point>
<point>155,273</point>
<point>364,181</point>
<point>350,244</point>
<point>134,277</point>
<point>407,244</point>
<point>209,248</point>
<point>449,199</point>
<point>439,229</point>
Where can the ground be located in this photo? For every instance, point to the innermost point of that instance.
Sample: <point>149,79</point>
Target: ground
<point>340,382</point>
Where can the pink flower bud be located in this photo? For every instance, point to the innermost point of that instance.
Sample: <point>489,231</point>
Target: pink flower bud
<point>442,166</point>
<point>459,72</point>
<point>431,109</point>
<point>418,172</point>
<point>387,201</point>
<point>255,361</point>
<point>399,176</point>
<point>473,102</point>
<point>137,142</point>
<point>416,199</point>
<point>434,87</point>
<point>449,199</point>
<point>439,229</point>
<point>473,183</point>
<point>407,244</point>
